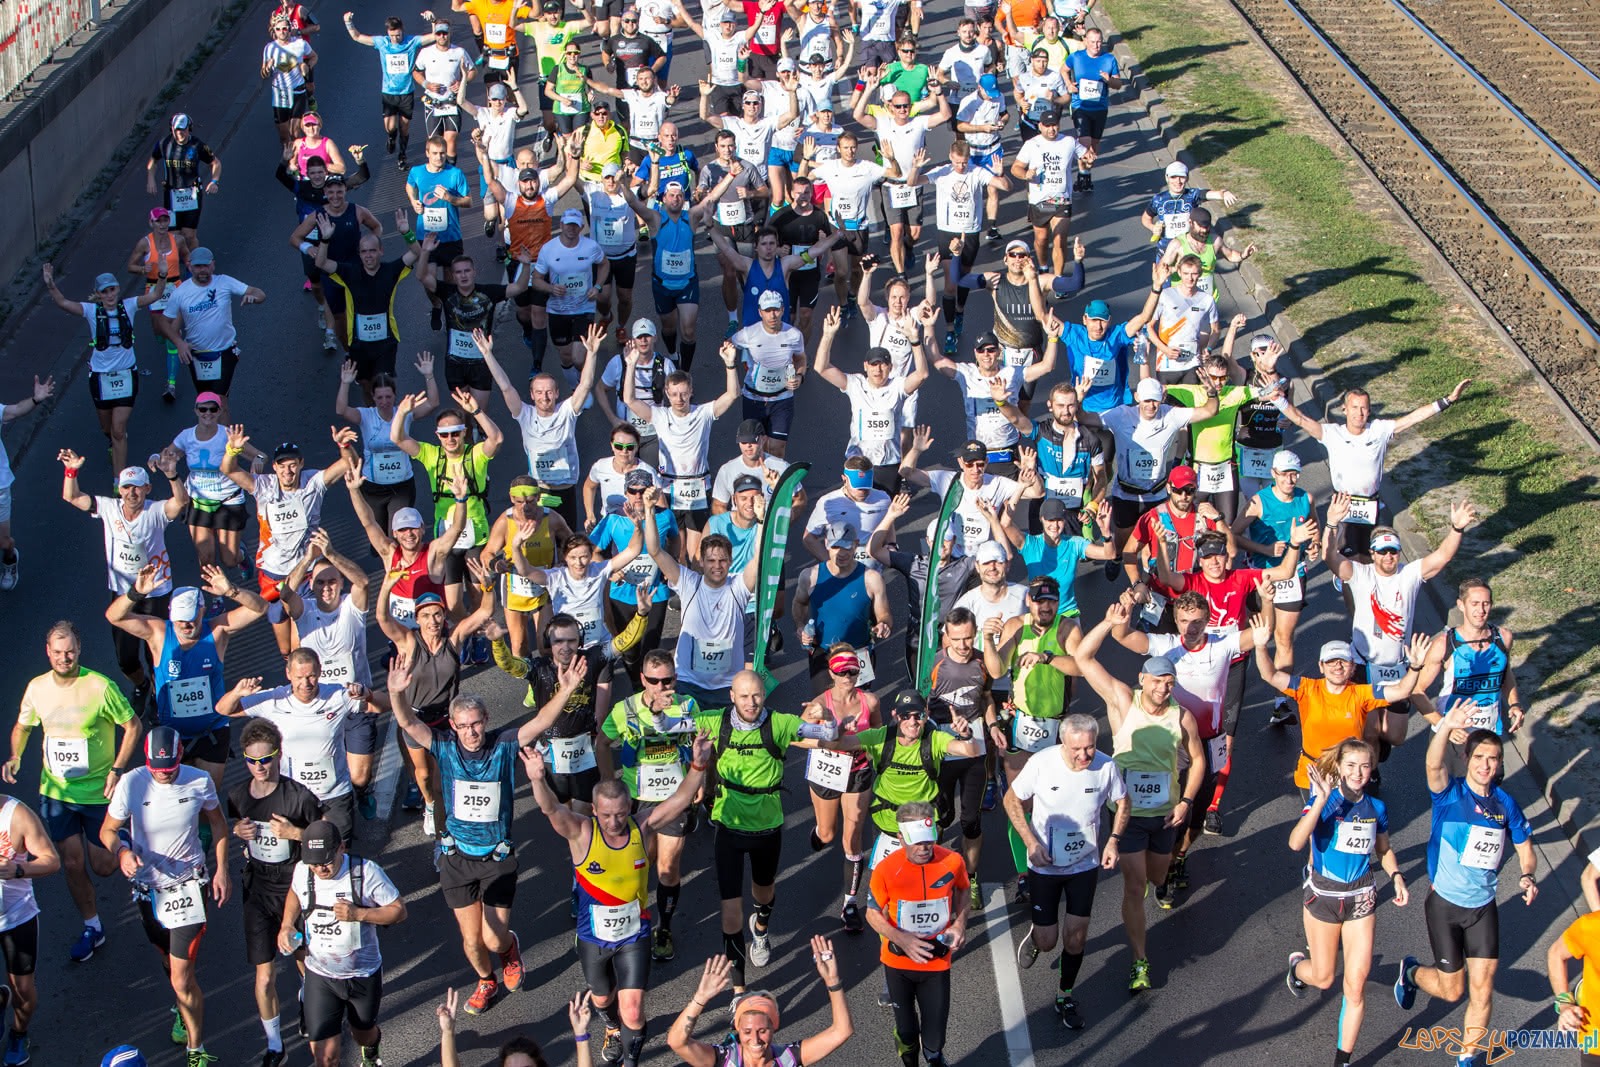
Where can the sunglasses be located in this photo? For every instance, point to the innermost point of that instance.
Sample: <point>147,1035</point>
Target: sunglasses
<point>634,492</point>
<point>207,409</point>
<point>987,348</point>
<point>1386,552</point>
<point>262,761</point>
<point>450,433</point>
<point>669,680</point>
<point>851,673</point>
<point>1184,489</point>
<point>624,446</point>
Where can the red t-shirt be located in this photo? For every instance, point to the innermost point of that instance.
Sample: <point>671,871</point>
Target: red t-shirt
<point>768,25</point>
<point>1153,524</point>
<point>1227,597</point>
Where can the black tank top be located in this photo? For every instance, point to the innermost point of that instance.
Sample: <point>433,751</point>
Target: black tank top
<point>435,681</point>
<point>1014,323</point>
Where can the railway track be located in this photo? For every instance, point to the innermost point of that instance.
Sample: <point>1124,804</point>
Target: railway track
<point>1512,211</point>
<point>1573,25</point>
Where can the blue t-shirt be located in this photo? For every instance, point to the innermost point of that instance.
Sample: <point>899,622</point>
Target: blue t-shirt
<point>477,788</point>
<point>1092,70</point>
<point>613,534</point>
<point>1344,837</point>
<point>1468,842</point>
<point>1058,561</point>
<point>1173,212</point>
<point>395,62</point>
<point>424,181</point>
<point>745,542</point>
<point>680,166</point>
<point>1106,361</point>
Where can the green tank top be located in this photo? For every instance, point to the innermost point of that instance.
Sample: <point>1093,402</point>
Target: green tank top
<point>570,83</point>
<point>1150,752</point>
<point>1207,254</point>
<point>1041,690</point>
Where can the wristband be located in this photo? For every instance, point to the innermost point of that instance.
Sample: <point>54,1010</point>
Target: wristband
<point>230,450</point>
<point>835,988</point>
<point>693,766</point>
<point>307,247</point>
<point>1564,1000</point>
<point>1530,878</point>
<point>1116,837</point>
<point>461,500</point>
<point>580,1037</point>
<point>1459,529</point>
<point>1184,800</point>
<point>134,596</point>
<point>411,238</point>
<point>70,472</point>
<point>1281,403</point>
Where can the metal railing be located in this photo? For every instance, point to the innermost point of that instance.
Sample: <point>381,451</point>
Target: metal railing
<point>31,31</point>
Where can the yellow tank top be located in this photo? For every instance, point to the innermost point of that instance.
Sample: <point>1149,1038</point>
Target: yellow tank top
<point>612,878</point>
<point>1150,751</point>
<point>540,551</point>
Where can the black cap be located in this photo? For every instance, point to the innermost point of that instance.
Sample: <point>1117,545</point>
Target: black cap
<point>909,703</point>
<point>1200,215</point>
<point>1211,545</point>
<point>638,478</point>
<point>1051,116</point>
<point>319,842</point>
<point>334,179</point>
<point>528,174</point>
<point>745,482</point>
<point>286,450</point>
<point>1053,509</point>
<point>163,749</point>
<point>1044,587</point>
<point>986,340</point>
<point>749,432</point>
<point>973,450</point>
<point>878,354</point>
<point>550,5</point>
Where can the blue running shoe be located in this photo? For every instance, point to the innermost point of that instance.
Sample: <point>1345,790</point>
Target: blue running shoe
<point>88,941</point>
<point>1405,990</point>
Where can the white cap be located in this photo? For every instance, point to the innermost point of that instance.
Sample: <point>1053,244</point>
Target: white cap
<point>132,476</point>
<point>785,64</point>
<point>991,552</point>
<point>572,217</point>
<point>405,519</point>
<point>610,170</point>
<point>1148,389</point>
<point>1017,245</point>
<point>643,328</point>
<point>1284,460</point>
<point>1177,170</point>
<point>1332,650</point>
<point>185,605</point>
<point>769,300</point>
<point>917,832</point>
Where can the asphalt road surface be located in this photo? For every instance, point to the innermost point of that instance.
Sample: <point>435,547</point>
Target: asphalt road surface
<point>1218,958</point>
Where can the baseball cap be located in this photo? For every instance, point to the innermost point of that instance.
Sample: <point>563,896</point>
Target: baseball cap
<point>200,257</point>
<point>1039,52</point>
<point>1388,541</point>
<point>423,600</point>
<point>180,121</point>
<point>286,450</point>
<point>1261,342</point>
<point>643,328</point>
<point>1097,309</point>
<point>1053,509</point>
<point>989,87</point>
<point>638,478</point>
<point>1053,117</point>
<point>1284,460</point>
<point>441,26</point>
<point>985,340</point>
<point>770,300</point>
<point>610,170</point>
<point>528,174</point>
<point>1017,246</point>
<point>1210,544</point>
<point>1148,389</point>
<point>1176,169</point>
<point>878,354</point>
<point>746,482</point>
<point>124,1056</point>
<point>163,750</point>
<point>909,702</point>
<point>405,519</point>
<point>858,479</point>
<point>335,179</point>
<point>973,450</point>
<point>841,533</point>
<point>1182,476</point>
<point>319,842</point>
<point>550,5</point>
<point>1199,216</point>
<point>157,214</point>
<point>785,64</point>
<point>1332,650</point>
<point>498,91</point>
<point>1156,666</point>
<point>208,397</point>
<point>1044,587</point>
<point>749,432</point>
<point>105,281</point>
<point>572,217</point>
<point>990,552</point>
<point>729,16</point>
<point>749,95</point>
<point>185,605</point>
<point>917,831</point>
<point>132,476</point>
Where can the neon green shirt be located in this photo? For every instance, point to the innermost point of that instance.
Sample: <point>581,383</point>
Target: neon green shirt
<point>549,42</point>
<point>80,723</point>
<point>747,765</point>
<point>1213,437</point>
<point>903,779</point>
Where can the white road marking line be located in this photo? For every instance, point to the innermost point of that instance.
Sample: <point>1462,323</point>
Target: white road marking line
<point>388,782</point>
<point>1007,981</point>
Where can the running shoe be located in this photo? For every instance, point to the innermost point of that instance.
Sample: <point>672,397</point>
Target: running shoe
<point>306,288</point>
<point>733,328</point>
<point>848,314</point>
<point>170,394</point>
<point>991,793</point>
<point>611,1050</point>
<point>1297,987</point>
<point>950,343</point>
<point>8,573</point>
<point>1139,976</point>
<point>511,965</point>
<point>247,568</point>
<point>436,319</point>
<point>481,652</point>
<point>1021,896</point>
<point>214,606</point>
<point>180,1032</point>
<point>91,939</point>
<point>1067,1008</point>
<point>1165,894</point>
<point>760,944</point>
<point>977,895</point>
<point>329,341</point>
<point>959,322</point>
<point>1213,823</point>
<point>478,1003</point>
<point>274,1059</point>
<point>367,803</point>
<point>412,801</point>
<point>1280,713</point>
<point>992,233</point>
<point>17,1050</point>
<point>884,1000</point>
<point>198,1057</point>
<point>1375,780</point>
<point>1405,989</point>
<point>850,915</point>
<point>1027,951</point>
<point>370,1057</point>
<point>774,642</point>
<point>400,163</point>
<point>661,949</point>
<point>1179,875</point>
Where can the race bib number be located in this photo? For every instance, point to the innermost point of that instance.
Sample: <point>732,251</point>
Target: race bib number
<point>658,781</point>
<point>287,519</point>
<point>689,494</point>
<point>677,264</point>
<point>1483,717</point>
<point>372,327</point>
<point>207,370</point>
<point>116,384</point>
<point>867,675</point>
<point>902,195</point>
<point>494,33</point>
<point>1386,673</point>
<point>1215,477</point>
<point>1149,789</point>
<point>611,229</point>
<point>882,848</point>
<point>396,64</point>
<point>772,379</point>
<point>477,802</point>
<point>615,922</point>
<point>1363,511</point>
<point>315,774</point>
<point>443,109</point>
<point>1068,848</point>
<point>1289,591</point>
<point>829,770</point>
<point>1032,734</point>
<point>991,427</point>
<point>1101,372</point>
<point>186,199</point>
<point>712,658</point>
<point>517,585</point>
<point>391,467</point>
<point>179,906</point>
<point>499,62</point>
<point>338,670</point>
<point>266,847</point>
<point>1017,357</point>
<point>877,427</point>
<point>552,468</point>
<point>435,217</point>
<point>190,697</point>
<point>67,757</point>
<point>732,212</point>
<point>1216,753</point>
<point>127,558</point>
<point>1067,490</point>
<point>462,346</point>
<point>767,34</point>
<point>403,610</point>
<point>1484,847</point>
<point>1356,838</point>
<point>1186,357</point>
<point>925,918</point>
<point>329,937</point>
<point>1255,462</point>
<point>571,755</point>
<point>1151,611</point>
<point>1091,90</point>
<point>1174,223</point>
<point>589,622</point>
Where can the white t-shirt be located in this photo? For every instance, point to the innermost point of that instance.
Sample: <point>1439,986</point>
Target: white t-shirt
<point>723,68</point>
<point>1202,678</point>
<point>614,225</point>
<point>900,140</point>
<point>342,950</point>
<point>995,491</point>
<point>848,189</point>
<point>864,515</point>
<point>339,638</point>
<point>751,139</point>
<point>645,113</point>
<point>1144,449</point>
<point>899,337</point>
<point>769,360</point>
<point>551,442</point>
<point>132,546</point>
<point>119,353</point>
<point>1038,89</point>
<point>1067,805</point>
<point>816,39</point>
<point>164,822</point>
<point>1179,319</point>
<point>710,647</point>
<point>1054,166</point>
<point>775,105</point>
<point>278,55</point>
<point>875,418</point>
<point>958,199</point>
<point>814,95</point>
<point>685,439</point>
<point>611,378</point>
<point>735,468</point>
<point>976,107</point>
<point>876,19</point>
<point>612,492</point>
<point>571,270</point>
<point>499,132</point>
<point>383,462</point>
<point>313,735</point>
<point>964,65</point>
<point>205,480</point>
<point>583,598</point>
<point>442,68</point>
<point>655,21</point>
<point>1012,604</point>
<point>1385,609</point>
<point>984,420</point>
<point>206,312</point>
<point>288,519</point>
<point>1355,464</point>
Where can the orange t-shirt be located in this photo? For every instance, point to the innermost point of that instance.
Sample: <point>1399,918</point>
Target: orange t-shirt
<point>1582,939</point>
<point>918,897</point>
<point>1026,14</point>
<point>1327,718</point>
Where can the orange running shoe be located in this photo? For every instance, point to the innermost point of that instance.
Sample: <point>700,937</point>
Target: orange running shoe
<point>482,996</point>
<point>511,965</point>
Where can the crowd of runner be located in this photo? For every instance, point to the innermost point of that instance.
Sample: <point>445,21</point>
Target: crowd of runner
<point>640,593</point>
